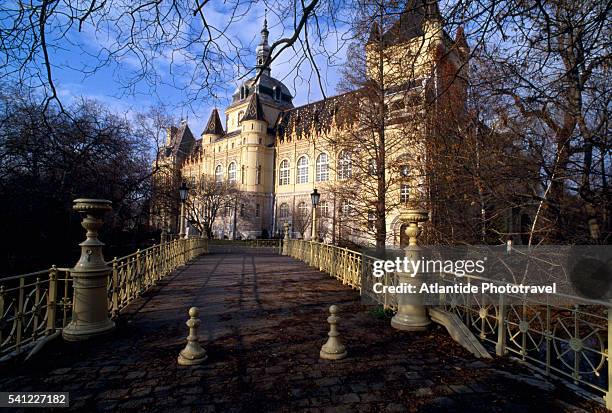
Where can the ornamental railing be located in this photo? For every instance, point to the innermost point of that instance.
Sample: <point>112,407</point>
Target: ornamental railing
<point>570,342</point>
<point>251,243</point>
<point>35,307</point>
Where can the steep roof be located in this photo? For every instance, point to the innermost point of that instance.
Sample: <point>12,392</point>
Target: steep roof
<point>254,111</point>
<point>181,141</point>
<point>214,126</point>
<point>318,115</point>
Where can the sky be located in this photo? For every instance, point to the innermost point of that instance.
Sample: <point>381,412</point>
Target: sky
<point>80,49</point>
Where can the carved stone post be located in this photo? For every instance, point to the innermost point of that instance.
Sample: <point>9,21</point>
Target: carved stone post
<point>286,239</point>
<point>411,313</point>
<point>90,277</point>
<point>193,353</point>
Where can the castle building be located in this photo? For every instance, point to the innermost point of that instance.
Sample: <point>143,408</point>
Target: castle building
<point>276,154</point>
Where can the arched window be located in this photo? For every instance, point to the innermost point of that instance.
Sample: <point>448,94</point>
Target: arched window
<point>302,170</point>
<point>404,193</point>
<point>345,166</point>
<point>322,168</point>
<point>303,209</point>
<point>283,211</point>
<point>283,173</point>
<point>219,173</point>
<point>323,209</point>
<point>231,173</point>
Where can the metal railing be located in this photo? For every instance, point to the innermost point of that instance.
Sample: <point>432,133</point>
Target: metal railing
<point>570,342</point>
<point>36,306</point>
<point>252,243</point>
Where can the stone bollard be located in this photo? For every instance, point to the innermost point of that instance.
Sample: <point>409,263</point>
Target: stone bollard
<point>193,353</point>
<point>411,313</point>
<point>90,277</point>
<point>286,239</point>
<point>333,349</point>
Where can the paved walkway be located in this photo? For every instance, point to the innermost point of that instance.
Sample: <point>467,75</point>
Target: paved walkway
<point>263,323</point>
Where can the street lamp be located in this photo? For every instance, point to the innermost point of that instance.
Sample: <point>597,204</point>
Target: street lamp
<point>314,197</point>
<point>183,190</point>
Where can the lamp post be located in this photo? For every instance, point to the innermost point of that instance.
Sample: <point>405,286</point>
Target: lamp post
<point>315,196</point>
<point>183,190</point>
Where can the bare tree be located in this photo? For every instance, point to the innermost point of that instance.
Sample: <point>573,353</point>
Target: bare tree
<point>145,40</point>
<point>207,199</point>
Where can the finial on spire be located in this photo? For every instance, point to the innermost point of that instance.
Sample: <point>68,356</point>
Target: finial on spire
<point>265,27</point>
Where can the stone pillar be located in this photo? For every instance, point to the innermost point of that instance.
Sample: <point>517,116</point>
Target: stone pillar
<point>90,277</point>
<point>411,313</point>
<point>286,239</point>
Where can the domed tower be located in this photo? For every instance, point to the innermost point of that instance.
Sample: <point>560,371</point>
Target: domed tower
<point>273,95</point>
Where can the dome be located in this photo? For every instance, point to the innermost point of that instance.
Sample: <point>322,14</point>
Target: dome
<point>269,89</point>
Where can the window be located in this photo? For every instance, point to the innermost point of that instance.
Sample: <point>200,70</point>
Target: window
<point>404,171</point>
<point>404,193</point>
<point>219,173</point>
<point>243,175</point>
<point>257,210</point>
<point>322,167</point>
<point>228,211</point>
<point>284,211</point>
<point>283,175</point>
<point>302,170</point>
<point>344,165</point>
<point>240,115</point>
<point>372,170</point>
<point>323,209</point>
<point>346,208</point>
<point>303,209</point>
<point>231,173</point>
<point>371,220</point>
<point>258,175</point>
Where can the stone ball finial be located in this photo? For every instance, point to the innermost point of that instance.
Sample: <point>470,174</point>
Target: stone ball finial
<point>333,309</point>
<point>194,312</point>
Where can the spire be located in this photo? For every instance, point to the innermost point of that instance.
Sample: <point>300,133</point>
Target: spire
<point>263,49</point>
<point>254,111</point>
<point>214,127</point>
<point>461,42</point>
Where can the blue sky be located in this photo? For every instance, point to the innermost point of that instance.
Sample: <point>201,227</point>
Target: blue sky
<point>79,49</point>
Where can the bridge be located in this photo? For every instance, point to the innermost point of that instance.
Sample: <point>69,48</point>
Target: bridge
<point>263,308</point>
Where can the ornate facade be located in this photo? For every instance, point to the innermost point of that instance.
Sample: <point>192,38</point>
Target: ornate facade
<point>276,153</point>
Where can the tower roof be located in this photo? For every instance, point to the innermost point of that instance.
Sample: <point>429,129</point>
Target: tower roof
<point>254,111</point>
<point>214,126</point>
<point>410,23</point>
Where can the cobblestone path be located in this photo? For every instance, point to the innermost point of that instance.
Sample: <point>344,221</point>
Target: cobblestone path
<point>263,323</point>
